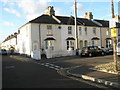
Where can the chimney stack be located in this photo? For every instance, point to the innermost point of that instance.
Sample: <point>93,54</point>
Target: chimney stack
<point>50,11</point>
<point>88,15</point>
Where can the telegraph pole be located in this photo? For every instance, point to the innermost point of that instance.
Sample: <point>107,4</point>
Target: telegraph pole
<point>114,35</point>
<point>76,32</point>
<point>112,9</point>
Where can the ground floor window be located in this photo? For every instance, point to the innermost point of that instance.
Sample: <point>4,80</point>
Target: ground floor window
<point>81,44</point>
<point>49,44</point>
<point>95,42</point>
<point>85,43</point>
<point>70,44</point>
<point>108,43</point>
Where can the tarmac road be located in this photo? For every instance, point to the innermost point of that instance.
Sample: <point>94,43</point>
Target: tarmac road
<point>22,72</point>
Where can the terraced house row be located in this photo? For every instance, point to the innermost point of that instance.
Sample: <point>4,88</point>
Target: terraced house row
<point>54,36</point>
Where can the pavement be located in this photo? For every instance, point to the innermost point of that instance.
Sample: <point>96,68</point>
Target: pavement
<point>86,73</point>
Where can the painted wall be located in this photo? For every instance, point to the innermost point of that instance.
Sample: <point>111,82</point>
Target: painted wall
<point>23,38</point>
<point>106,33</point>
<point>31,39</point>
<point>83,36</point>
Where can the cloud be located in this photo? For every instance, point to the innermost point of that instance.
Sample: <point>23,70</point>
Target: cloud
<point>2,35</point>
<point>32,8</point>
<point>32,16</point>
<point>6,23</point>
<point>79,7</point>
<point>10,10</point>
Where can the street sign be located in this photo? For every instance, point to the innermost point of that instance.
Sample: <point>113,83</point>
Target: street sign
<point>112,23</point>
<point>113,32</point>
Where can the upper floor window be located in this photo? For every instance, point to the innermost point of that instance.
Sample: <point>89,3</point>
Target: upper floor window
<point>49,30</point>
<point>94,30</point>
<point>80,30</point>
<point>86,30</point>
<point>69,30</point>
<point>107,32</point>
<point>26,31</point>
<point>49,26</point>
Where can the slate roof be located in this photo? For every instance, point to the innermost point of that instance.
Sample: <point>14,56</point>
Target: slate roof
<point>11,36</point>
<point>65,20</point>
<point>46,19</point>
<point>88,22</point>
<point>104,23</point>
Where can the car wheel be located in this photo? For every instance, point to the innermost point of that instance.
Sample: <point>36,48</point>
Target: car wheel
<point>90,55</point>
<point>102,53</point>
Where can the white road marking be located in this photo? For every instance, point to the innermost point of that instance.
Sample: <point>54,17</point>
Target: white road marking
<point>42,64</point>
<point>56,69</point>
<point>49,65</point>
<point>46,65</point>
<point>57,66</point>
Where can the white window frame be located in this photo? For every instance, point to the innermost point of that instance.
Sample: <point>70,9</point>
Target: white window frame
<point>70,44</point>
<point>69,29</point>
<point>80,30</point>
<point>49,44</point>
<point>107,31</point>
<point>86,30</point>
<point>49,30</point>
<point>94,31</point>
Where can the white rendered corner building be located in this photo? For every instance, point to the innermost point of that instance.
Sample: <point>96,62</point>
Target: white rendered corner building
<point>54,36</point>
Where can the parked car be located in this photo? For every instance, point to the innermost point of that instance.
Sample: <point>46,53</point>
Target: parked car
<point>104,49</point>
<point>92,51</point>
<point>118,48</point>
<point>109,50</point>
<point>3,51</point>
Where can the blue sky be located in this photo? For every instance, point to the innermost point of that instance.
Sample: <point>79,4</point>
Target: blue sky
<point>15,13</point>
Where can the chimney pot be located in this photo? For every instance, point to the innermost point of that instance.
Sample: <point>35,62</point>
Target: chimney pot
<point>50,11</point>
<point>88,15</point>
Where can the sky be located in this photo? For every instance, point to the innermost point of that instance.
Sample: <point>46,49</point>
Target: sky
<point>15,13</point>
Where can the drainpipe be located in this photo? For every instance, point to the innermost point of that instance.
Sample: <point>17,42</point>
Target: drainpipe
<point>39,38</point>
<point>101,35</point>
<point>39,42</point>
